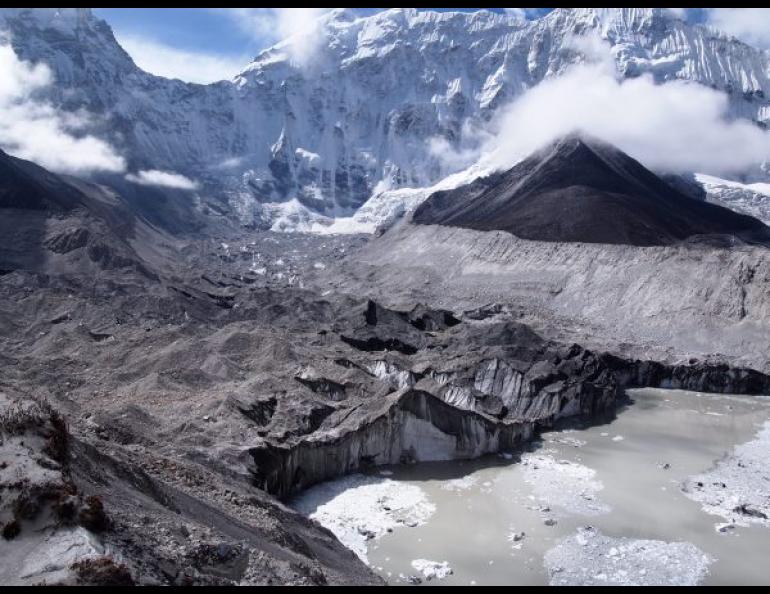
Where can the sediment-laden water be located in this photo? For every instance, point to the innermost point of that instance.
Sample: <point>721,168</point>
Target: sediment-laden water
<point>669,491</point>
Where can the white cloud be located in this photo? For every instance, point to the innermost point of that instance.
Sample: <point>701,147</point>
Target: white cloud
<point>751,25</point>
<point>680,13</point>
<point>165,179</point>
<point>298,27</point>
<point>31,128</point>
<point>163,60</point>
<point>517,12</point>
<point>230,163</point>
<point>677,126</point>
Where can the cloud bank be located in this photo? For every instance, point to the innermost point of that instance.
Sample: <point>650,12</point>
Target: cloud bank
<point>165,179</point>
<point>751,25</point>
<point>677,126</point>
<point>31,128</point>
<point>163,60</point>
<point>298,27</point>
<point>520,13</point>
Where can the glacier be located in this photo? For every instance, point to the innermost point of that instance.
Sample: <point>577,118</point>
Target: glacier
<point>751,198</point>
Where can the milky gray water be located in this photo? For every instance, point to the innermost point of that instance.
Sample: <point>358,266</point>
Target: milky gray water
<point>622,477</point>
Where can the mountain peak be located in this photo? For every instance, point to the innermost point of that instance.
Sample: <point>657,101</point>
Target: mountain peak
<point>580,189</point>
<point>579,141</point>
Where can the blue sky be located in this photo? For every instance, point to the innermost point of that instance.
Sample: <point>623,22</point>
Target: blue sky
<point>208,44</point>
<point>185,28</point>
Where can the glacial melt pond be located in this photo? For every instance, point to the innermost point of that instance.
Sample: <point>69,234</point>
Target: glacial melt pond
<point>675,489</point>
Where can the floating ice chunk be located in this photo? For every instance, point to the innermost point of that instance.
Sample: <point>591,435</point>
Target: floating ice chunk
<point>360,508</point>
<point>409,579</point>
<point>725,528</point>
<point>589,558</point>
<point>737,488</point>
<point>567,485</point>
<point>460,484</point>
<point>516,538</point>
<point>566,440</point>
<point>432,569</point>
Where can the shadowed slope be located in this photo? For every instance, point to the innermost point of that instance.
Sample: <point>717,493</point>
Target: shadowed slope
<point>58,224</point>
<point>580,190</point>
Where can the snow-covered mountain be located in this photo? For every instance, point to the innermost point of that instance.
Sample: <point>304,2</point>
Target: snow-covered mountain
<point>284,141</point>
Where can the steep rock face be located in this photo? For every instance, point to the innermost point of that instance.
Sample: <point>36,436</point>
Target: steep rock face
<point>326,133</point>
<point>584,190</point>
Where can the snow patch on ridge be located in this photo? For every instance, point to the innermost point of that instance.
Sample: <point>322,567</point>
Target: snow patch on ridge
<point>386,206</point>
<point>752,199</point>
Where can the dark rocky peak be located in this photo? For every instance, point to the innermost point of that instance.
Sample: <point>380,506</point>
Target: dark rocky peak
<point>580,189</point>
